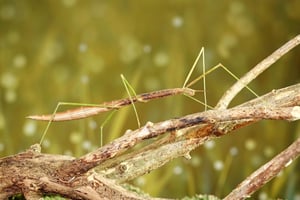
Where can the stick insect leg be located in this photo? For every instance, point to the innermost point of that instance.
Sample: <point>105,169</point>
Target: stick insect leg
<point>103,124</point>
<point>201,53</point>
<point>49,122</point>
<point>188,85</point>
<point>227,70</point>
<point>129,89</point>
<point>56,110</point>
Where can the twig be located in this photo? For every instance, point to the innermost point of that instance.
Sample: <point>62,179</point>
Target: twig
<point>188,139</point>
<point>234,117</point>
<point>265,173</point>
<point>254,72</point>
<point>151,130</point>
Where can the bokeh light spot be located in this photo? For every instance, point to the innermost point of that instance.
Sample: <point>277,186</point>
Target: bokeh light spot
<point>29,128</point>
<point>177,21</point>
<point>218,165</point>
<point>161,59</point>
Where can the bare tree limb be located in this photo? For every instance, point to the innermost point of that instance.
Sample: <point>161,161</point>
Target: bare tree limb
<point>185,140</point>
<point>151,130</point>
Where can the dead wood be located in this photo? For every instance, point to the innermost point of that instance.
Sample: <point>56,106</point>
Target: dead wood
<point>98,174</point>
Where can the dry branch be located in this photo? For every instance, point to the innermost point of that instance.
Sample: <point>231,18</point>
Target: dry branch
<point>265,173</point>
<point>34,173</point>
<point>190,138</point>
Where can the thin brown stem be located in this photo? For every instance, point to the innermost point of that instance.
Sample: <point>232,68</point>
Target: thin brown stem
<point>151,130</point>
<point>257,70</point>
<point>265,173</point>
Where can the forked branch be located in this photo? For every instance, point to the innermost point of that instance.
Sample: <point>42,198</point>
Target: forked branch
<point>213,123</point>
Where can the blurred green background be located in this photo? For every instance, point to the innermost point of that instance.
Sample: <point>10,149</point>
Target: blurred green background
<point>75,51</point>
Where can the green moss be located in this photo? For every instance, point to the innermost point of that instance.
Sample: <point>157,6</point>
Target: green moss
<point>201,197</point>
<point>53,197</point>
<point>48,197</point>
<point>17,197</point>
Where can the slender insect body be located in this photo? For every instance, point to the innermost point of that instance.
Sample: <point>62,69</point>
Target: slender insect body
<point>87,110</point>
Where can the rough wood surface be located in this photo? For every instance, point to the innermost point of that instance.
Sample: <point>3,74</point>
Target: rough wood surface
<point>33,173</point>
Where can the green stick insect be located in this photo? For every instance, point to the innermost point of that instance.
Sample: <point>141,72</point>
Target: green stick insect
<point>88,110</point>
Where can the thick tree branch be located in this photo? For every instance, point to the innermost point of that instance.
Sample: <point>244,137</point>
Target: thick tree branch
<point>151,130</point>
<point>185,140</point>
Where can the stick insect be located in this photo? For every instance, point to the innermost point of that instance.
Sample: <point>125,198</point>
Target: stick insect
<point>88,110</point>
